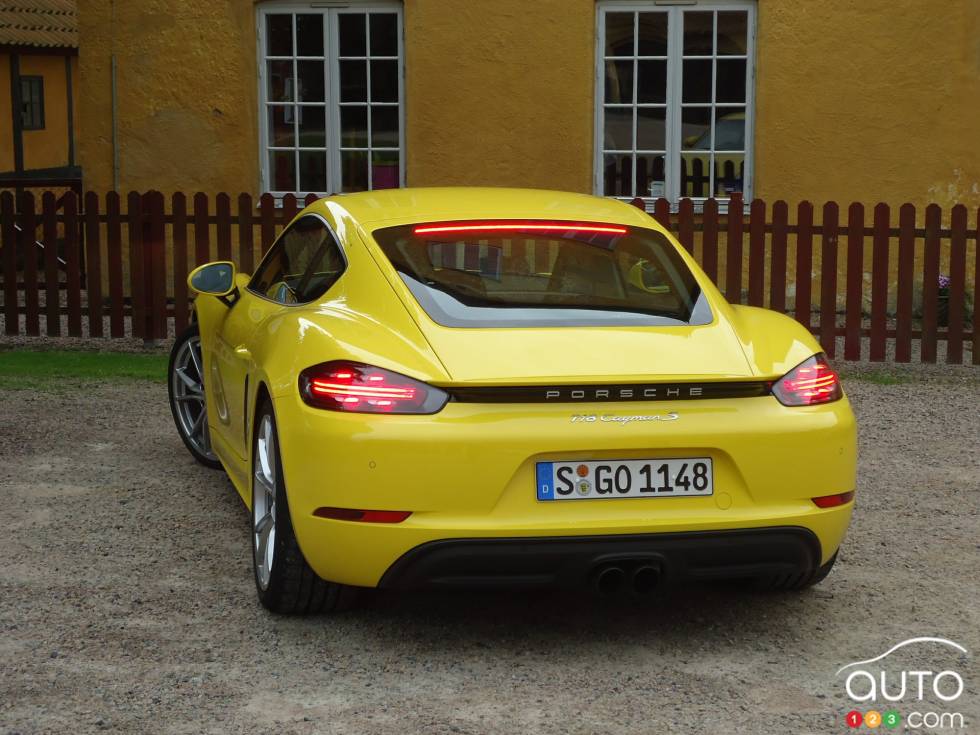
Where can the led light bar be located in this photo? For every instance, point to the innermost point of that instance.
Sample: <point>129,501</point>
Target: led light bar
<point>521,227</point>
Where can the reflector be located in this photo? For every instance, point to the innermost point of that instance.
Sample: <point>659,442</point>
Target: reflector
<point>832,501</point>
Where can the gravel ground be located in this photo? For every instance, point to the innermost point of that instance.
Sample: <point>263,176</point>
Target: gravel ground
<point>128,603</point>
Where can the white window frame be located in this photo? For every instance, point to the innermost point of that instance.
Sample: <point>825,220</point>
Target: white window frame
<point>675,10</point>
<point>330,12</point>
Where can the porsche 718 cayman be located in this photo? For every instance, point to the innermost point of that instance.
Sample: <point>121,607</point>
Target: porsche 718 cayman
<point>473,388</point>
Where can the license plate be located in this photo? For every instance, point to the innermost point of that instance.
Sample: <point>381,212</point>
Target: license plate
<point>625,478</point>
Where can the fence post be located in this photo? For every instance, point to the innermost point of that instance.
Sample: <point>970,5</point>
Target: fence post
<point>178,210</point>
<point>879,282</point>
<point>267,205</point>
<point>804,264</point>
<point>957,285</point>
<point>245,257</point>
<point>11,296</point>
<point>855,282</point>
<point>733,260</point>
<point>757,252</point>
<point>930,283</point>
<point>73,265</point>
<point>828,278</point>
<point>685,225</point>
<point>117,321</point>
<point>709,240</point>
<point>222,210</point>
<point>49,241</point>
<point>906,263</point>
<point>93,264</point>
<point>777,268</point>
<point>137,261</point>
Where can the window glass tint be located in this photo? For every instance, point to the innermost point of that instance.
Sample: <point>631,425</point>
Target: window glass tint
<point>302,265</point>
<point>565,278</point>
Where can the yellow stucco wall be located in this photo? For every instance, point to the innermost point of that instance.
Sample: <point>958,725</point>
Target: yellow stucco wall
<point>186,94</point>
<point>877,100</point>
<point>871,101</point>
<point>47,148</point>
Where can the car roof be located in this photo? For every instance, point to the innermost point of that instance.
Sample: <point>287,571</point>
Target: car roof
<point>390,207</point>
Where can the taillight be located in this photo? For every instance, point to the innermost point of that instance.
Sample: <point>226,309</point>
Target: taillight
<point>809,383</point>
<point>358,388</point>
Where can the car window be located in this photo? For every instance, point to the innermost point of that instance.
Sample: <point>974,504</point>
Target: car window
<point>305,261</point>
<point>571,276</point>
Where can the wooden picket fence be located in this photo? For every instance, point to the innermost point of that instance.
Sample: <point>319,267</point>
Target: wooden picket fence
<point>123,273</point>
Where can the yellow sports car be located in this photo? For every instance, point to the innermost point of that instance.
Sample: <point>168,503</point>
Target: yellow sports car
<point>472,388</point>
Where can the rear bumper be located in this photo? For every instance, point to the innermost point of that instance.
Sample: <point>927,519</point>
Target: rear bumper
<point>570,562</point>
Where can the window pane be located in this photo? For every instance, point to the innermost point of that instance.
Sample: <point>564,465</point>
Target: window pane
<point>353,34</point>
<point>280,86</point>
<point>619,81</point>
<point>309,35</point>
<point>619,34</point>
<point>698,34</point>
<point>730,86</point>
<point>650,175</point>
<point>618,129</point>
<point>651,128</point>
<point>652,34</point>
<point>279,35</point>
<point>303,264</point>
<point>694,175</point>
<point>384,81</point>
<point>353,127</point>
<point>384,127</point>
<point>384,170</point>
<point>281,126</point>
<point>311,87</point>
<point>354,170</point>
<point>651,85</point>
<point>282,170</point>
<point>732,36</point>
<point>697,80</point>
<point>312,171</point>
<point>696,128</point>
<point>312,127</point>
<point>729,129</point>
<point>353,81</point>
<point>729,174</point>
<point>617,174</point>
<point>384,34</point>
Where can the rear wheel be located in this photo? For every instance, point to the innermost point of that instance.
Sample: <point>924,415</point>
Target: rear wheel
<point>285,582</point>
<point>796,581</point>
<point>185,384</point>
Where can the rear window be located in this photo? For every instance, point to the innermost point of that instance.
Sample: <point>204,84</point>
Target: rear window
<point>483,274</point>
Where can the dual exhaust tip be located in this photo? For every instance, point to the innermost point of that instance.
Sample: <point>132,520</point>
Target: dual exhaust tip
<point>611,579</point>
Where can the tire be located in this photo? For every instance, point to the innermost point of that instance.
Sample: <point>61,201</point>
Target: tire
<point>284,581</point>
<point>797,581</point>
<point>185,386</point>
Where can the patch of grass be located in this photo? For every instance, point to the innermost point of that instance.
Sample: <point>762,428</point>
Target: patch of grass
<point>45,368</point>
<point>878,377</point>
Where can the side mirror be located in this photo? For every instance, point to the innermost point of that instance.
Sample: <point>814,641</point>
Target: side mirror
<point>214,279</point>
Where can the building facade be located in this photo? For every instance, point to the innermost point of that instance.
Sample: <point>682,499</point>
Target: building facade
<point>870,101</point>
<point>38,83</point>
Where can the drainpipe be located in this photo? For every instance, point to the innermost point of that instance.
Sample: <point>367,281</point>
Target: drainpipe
<point>115,127</point>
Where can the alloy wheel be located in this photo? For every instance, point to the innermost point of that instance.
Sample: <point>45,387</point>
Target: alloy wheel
<point>264,501</point>
<point>187,384</point>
